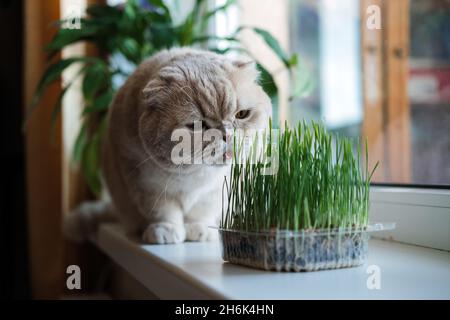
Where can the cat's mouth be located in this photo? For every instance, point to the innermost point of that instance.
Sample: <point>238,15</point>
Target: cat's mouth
<point>217,155</point>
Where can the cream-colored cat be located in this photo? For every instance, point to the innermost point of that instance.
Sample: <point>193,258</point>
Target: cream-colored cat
<point>164,201</point>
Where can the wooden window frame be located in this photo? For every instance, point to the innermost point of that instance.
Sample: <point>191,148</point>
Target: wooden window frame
<point>385,68</point>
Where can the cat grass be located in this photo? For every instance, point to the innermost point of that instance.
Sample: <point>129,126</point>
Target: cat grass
<point>322,182</point>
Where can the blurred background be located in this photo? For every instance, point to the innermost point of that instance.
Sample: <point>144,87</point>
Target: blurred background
<point>374,69</point>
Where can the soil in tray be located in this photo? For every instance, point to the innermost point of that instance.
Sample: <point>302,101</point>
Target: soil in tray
<point>303,252</point>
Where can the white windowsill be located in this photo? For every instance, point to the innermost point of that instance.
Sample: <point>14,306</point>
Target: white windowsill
<point>196,271</point>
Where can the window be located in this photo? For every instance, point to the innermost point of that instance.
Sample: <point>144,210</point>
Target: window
<point>391,85</point>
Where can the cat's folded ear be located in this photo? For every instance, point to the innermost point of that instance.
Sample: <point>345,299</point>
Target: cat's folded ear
<point>171,74</point>
<point>166,76</point>
<point>246,68</point>
<point>151,89</point>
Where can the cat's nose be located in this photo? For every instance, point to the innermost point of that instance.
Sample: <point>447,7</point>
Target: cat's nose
<point>227,130</point>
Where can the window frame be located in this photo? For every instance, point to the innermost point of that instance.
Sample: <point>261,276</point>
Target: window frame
<point>422,215</point>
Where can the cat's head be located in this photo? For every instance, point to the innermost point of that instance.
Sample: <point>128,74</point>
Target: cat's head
<point>198,90</point>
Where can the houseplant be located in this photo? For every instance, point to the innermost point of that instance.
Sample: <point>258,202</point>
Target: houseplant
<point>310,214</point>
<point>133,32</point>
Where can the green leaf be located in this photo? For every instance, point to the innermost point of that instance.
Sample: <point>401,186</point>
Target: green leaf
<point>130,10</point>
<point>212,37</point>
<point>191,27</point>
<point>268,84</point>
<point>208,15</point>
<point>54,71</point>
<point>130,49</point>
<point>223,7</point>
<point>293,60</point>
<point>103,11</point>
<point>273,43</point>
<point>66,36</point>
<point>58,104</point>
<point>91,164</point>
<point>100,103</point>
<point>159,4</point>
<point>102,22</point>
<point>80,144</point>
<point>226,50</point>
<point>51,74</point>
<point>164,36</point>
<point>90,158</point>
<point>95,78</point>
<point>86,152</point>
<point>304,83</point>
<point>57,108</point>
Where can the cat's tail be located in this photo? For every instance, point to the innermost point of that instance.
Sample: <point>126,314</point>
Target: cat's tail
<point>84,220</point>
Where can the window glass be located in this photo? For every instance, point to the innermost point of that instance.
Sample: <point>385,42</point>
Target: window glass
<point>391,84</point>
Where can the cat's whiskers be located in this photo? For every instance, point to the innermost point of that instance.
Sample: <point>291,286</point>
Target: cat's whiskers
<point>140,164</point>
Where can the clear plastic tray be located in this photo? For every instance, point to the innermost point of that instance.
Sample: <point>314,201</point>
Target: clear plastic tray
<point>299,251</point>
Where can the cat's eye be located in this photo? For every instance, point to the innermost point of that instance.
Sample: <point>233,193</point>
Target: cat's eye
<point>242,114</point>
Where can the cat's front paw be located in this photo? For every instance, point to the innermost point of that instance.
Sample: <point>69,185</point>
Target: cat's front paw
<point>197,231</point>
<point>164,232</point>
